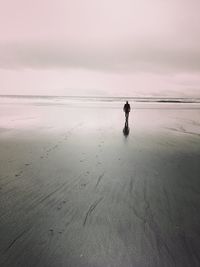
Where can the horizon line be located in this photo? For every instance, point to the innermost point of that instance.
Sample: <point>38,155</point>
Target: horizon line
<point>93,96</point>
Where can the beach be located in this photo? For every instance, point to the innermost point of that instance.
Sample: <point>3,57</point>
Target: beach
<point>76,192</point>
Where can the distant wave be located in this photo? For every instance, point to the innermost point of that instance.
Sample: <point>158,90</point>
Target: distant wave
<point>66,99</point>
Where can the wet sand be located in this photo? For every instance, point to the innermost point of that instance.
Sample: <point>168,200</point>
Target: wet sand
<point>74,191</point>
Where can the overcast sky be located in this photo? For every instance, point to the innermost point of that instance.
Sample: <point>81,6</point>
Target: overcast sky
<point>100,47</point>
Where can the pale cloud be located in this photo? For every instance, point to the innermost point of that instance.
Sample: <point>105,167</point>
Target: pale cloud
<point>107,41</point>
<point>121,58</point>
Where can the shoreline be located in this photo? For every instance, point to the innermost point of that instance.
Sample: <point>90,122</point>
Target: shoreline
<point>141,99</point>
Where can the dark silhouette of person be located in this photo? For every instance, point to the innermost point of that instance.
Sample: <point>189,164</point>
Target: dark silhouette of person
<point>127,109</point>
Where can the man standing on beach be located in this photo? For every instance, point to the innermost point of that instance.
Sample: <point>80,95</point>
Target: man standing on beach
<point>127,109</point>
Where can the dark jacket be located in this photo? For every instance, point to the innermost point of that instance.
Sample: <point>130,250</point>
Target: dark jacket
<point>127,108</point>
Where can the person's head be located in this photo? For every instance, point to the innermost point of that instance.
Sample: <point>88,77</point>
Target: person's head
<point>126,102</point>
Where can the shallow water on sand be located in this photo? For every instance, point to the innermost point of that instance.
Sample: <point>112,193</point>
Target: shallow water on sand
<point>75,191</point>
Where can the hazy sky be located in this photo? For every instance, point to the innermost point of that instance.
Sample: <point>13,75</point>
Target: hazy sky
<point>100,47</point>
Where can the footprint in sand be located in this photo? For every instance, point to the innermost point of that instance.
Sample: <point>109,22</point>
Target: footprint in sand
<point>61,204</point>
<point>18,174</point>
<point>83,185</point>
<point>51,231</point>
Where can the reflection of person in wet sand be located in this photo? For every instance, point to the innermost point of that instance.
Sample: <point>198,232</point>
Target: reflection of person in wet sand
<point>127,109</point>
<point>126,129</point>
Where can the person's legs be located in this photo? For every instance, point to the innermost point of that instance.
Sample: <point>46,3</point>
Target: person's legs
<point>126,116</point>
